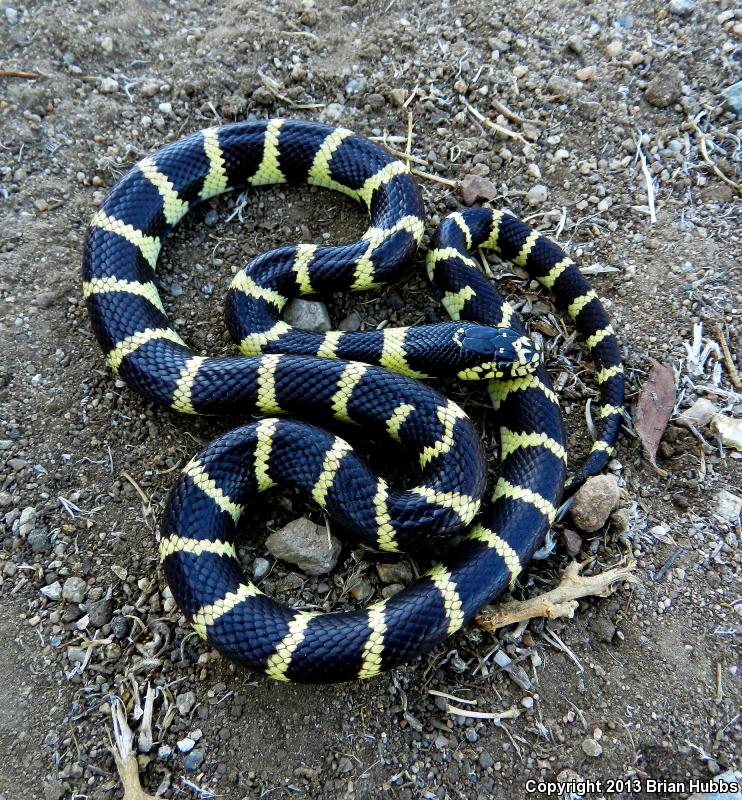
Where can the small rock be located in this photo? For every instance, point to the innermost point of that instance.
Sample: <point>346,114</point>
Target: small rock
<point>260,568</point>
<point>46,299</point>
<point>41,204</point>
<point>27,521</point>
<point>309,315</point>
<point>475,187</point>
<point>53,591</point>
<point>165,108</point>
<point>728,506</point>
<point>594,502</point>
<point>211,218</point>
<point>186,744</point>
<point>39,541</point>
<point>351,323</point>
<point>193,760</point>
<point>11,15</point>
<point>585,73</point>
<point>108,86</point>
<point>563,88</point>
<point>376,101</point>
<point>729,429</point>
<point>391,590</point>
<point>53,789</point>
<point>332,112</point>
<point>591,748</point>
<point>397,97</point>
<point>398,572</point>
<point>613,49</point>
<point>17,464</point>
<point>537,195</point>
<point>682,8</point>
<point>120,627</point>
<point>106,44</point>
<point>699,414</point>
<point>604,629</point>
<point>572,542</point>
<point>664,89</point>
<point>185,702</point>
<point>486,760</point>
<point>74,590</point>
<point>307,545</point>
<point>621,520</point>
<point>733,95</point>
<point>164,751</point>
<point>100,613</point>
<point>263,97</point>
<point>361,589</point>
<point>149,87</point>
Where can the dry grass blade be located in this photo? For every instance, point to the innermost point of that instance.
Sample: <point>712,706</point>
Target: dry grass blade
<point>19,73</point>
<point>123,755</point>
<point>510,713</point>
<point>704,153</point>
<point>726,353</point>
<point>559,602</point>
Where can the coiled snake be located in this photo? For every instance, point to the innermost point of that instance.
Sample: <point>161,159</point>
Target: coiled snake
<point>343,377</point>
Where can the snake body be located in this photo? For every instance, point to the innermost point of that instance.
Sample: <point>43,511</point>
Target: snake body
<point>348,378</point>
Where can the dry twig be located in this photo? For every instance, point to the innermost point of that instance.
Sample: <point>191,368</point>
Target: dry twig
<point>19,73</point>
<point>559,602</point>
<point>704,153</point>
<point>123,755</point>
<point>488,122</point>
<point>731,369</point>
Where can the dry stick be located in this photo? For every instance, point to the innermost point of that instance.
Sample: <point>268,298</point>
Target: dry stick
<point>19,73</point>
<point>559,602</point>
<point>406,156</point>
<point>731,369</point>
<point>124,756</point>
<point>408,146</point>
<point>512,116</point>
<point>702,140</point>
<point>495,127</point>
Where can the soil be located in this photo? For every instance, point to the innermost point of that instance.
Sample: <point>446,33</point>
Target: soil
<point>643,684</point>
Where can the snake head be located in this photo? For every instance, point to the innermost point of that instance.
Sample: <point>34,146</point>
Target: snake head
<point>506,353</point>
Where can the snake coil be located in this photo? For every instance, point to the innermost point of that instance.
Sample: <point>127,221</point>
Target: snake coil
<point>348,378</point>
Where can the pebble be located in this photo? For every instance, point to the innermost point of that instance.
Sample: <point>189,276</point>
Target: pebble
<point>391,590</point>
<point>263,96</point>
<point>46,299</point>
<point>361,589</point>
<point>186,744</point>
<point>613,49</point>
<point>397,97</point>
<point>165,108</point>
<point>397,572</point>
<point>537,195</point>
<point>591,748</point>
<point>27,521</point>
<point>585,73</point>
<point>475,188</point>
<point>211,218</point>
<point>572,542</point>
<point>594,502</point>
<point>149,87</point>
<point>309,315</point>
<point>332,112</point>
<point>699,414</point>
<point>194,760</point>
<point>351,323</point>
<point>733,95</point>
<point>74,590</point>
<point>664,89</point>
<point>184,702</point>
<point>486,760</point>
<point>108,86</point>
<point>307,545</point>
<point>728,506</point>
<point>729,429</point>
<point>39,541</point>
<point>100,613</point>
<point>682,8</point>
<point>604,629</point>
<point>260,568</point>
<point>11,15</point>
<point>53,591</point>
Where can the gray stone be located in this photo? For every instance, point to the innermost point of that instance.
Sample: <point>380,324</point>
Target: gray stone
<point>100,612</point>
<point>604,629</point>
<point>332,112</point>
<point>27,521</point>
<point>74,590</point>
<point>733,95</point>
<point>185,702</point>
<point>591,748</point>
<point>351,323</point>
<point>475,188</point>
<point>537,195</point>
<point>53,591</point>
<point>682,8</point>
<point>594,502</point>
<point>260,568</point>
<point>664,89</point>
<point>193,760</point>
<point>11,15</point>
<point>309,315</point>
<point>108,86</point>
<point>391,590</point>
<point>728,506</point>
<point>263,97</point>
<point>572,542</point>
<point>486,760</point>
<point>46,299</point>
<point>309,546</point>
<point>361,589</point>
<point>186,744</point>
<point>397,572</point>
<point>39,541</point>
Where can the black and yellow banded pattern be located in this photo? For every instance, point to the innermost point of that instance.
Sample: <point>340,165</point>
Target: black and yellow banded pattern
<point>339,378</point>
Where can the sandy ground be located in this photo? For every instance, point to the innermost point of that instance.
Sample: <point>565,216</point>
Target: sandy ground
<point>644,684</point>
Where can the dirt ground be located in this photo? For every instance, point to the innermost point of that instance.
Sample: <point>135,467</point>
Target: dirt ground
<point>643,684</point>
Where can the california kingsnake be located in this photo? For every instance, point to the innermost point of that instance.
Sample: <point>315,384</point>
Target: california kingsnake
<point>342,377</point>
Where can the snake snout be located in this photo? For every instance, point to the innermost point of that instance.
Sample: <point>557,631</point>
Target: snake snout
<point>506,352</point>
